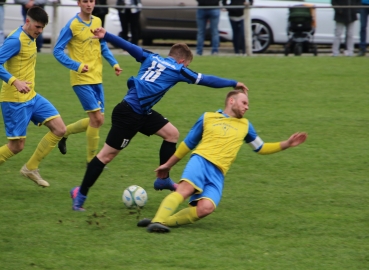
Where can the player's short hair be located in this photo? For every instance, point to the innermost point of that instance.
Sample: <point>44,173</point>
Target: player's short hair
<point>232,93</point>
<point>38,14</point>
<point>181,51</point>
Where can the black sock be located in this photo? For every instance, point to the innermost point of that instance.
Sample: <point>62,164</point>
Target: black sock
<point>94,169</point>
<point>167,149</point>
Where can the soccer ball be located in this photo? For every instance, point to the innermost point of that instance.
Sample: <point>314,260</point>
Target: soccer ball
<point>134,196</point>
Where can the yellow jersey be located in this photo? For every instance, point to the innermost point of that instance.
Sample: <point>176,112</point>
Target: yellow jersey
<point>17,61</point>
<point>218,138</point>
<point>83,50</point>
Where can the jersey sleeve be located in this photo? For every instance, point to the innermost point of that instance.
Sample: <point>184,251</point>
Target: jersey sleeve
<point>216,82</point>
<point>10,48</point>
<point>258,145</point>
<point>195,135</point>
<point>64,38</point>
<point>189,76</point>
<point>134,50</point>
<point>253,140</point>
<point>107,54</point>
<point>192,139</point>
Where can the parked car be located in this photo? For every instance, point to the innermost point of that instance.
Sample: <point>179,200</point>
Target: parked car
<point>165,19</point>
<point>156,23</point>
<point>269,25</point>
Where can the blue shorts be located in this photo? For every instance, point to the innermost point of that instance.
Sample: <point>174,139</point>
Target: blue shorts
<point>17,115</point>
<point>206,178</point>
<point>91,96</point>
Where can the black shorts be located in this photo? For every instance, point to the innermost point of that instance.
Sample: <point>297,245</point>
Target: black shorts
<point>126,123</point>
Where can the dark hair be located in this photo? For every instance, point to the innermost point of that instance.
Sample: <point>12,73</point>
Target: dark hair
<point>38,14</point>
<point>181,51</point>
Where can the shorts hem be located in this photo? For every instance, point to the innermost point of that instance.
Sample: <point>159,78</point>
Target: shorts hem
<point>48,119</point>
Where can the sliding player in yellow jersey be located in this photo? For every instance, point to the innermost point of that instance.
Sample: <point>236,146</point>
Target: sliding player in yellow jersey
<point>19,101</point>
<point>85,64</point>
<point>218,137</point>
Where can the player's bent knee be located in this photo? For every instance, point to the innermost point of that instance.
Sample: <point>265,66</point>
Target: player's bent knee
<point>175,135</point>
<point>96,123</point>
<point>16,147</point>
<point>60,131</point>
<point>107,154</point>
<point>57,126</point>
<point>172,135</point>
<point>16,150</point>
<point>100,122</point>
<point>169,133</point>
<point>106,158</point>
<point>96,119</point>
<point>204,208</point>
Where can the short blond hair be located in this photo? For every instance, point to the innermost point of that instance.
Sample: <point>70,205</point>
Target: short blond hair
<point>233,94</point>
<point>181,51</point>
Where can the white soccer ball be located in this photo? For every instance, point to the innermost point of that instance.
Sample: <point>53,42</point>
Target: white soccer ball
<point>134,196</point>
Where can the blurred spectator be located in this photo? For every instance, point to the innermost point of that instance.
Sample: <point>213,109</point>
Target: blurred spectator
<point>26,4</point>
<point>100,11</point>
<point>130,19</point>
<point>364,12</point>
<point>345,19</point>
<point>2,22</point>
<point>237,21</point>
<point>204,15</point>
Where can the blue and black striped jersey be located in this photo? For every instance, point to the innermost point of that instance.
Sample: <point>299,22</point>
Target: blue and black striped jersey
<point>157,75</point>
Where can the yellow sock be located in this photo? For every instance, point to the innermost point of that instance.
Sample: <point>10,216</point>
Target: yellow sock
<point>185,216</point>
<point>5,153</point>
<point>92,142</point>
<point>44,147</point>
<point>77,127</point>
<point>167,207</point>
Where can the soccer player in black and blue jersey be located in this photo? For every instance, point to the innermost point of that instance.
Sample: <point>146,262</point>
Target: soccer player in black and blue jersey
<point>156,76</point>
<point>217,137</point>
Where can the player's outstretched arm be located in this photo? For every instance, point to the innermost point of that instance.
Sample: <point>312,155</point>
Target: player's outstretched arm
<point>218,82</point>
<point>295,140</point>
<point>132,49</point>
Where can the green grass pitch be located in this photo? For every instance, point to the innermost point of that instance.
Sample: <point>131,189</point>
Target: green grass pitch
<point>304,208</point>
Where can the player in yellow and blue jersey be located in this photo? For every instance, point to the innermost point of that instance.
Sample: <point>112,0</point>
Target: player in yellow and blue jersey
<point>217,137</point>
<point>19,101</point>
<point>157,75</point>
<point>85,64</point>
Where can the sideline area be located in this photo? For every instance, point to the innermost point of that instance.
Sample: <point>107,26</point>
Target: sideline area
<point>225,49</point>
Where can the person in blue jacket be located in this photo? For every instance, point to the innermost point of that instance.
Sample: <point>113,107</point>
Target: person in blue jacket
<point>156,76</point>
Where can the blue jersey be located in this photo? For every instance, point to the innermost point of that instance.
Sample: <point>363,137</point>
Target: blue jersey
<point>157,75</point>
